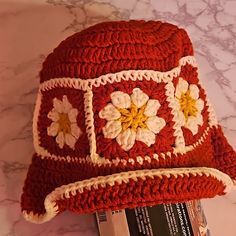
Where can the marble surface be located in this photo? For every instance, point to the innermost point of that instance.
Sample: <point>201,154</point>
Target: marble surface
<point>31,29</point>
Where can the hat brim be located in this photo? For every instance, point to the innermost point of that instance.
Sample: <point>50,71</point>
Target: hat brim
<point>132,189</point>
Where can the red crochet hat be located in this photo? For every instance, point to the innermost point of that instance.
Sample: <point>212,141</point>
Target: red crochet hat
<point>121,120</point>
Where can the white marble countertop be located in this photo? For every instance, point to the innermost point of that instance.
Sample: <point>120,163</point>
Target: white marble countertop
<point>29,30</point>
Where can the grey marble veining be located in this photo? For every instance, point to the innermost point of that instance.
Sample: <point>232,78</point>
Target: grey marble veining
<point>31,29</point>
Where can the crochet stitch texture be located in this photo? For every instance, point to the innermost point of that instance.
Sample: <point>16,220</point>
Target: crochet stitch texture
<point>121,120</point>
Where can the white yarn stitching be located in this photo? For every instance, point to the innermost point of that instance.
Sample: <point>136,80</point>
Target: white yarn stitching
<point>65,191</point>
<point>133,75</point>
<point>213,121</point>
<point>37,145</point>
<point>178,133</point>
<point>89,122</point>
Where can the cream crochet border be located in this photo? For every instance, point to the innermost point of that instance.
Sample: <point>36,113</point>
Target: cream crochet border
<point>65,191</point>
<point>86,85</point>
<point>126,75</point>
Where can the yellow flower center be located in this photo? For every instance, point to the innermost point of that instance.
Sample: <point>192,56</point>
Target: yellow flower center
<point>64,123</point>
<point>133,117</point>
<point>188,105</point>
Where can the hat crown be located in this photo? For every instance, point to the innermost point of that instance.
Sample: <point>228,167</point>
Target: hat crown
<point>115,46</point>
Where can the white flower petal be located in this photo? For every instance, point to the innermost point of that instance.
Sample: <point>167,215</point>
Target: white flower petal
<point>192,125</point>
<point>52,130</point>
<point>146,136</point>
<point>58,105</point>
<point>180,118</point>
<point>73,115</point>
<point>199,105</point>
<point>70,140</point>
<point>181,87</point>
<point>112,129</point>
<point>60,139</point>
<point>194,91</point>
<point>120,99</point>
<point>199,119</point>
<point>53,115</point>
<point>155,124</point>
<point>138,97</point>
<point>126,139</point>
<point>109,112</point>
<point>66,104</point>
<point>75,131</point>
<point>152,107</point>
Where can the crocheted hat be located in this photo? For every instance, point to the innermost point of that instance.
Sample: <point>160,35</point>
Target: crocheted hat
<point>121,121</point>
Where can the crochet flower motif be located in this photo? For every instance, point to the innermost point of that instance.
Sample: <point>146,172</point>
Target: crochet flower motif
<point>131,117</point>
<point>64,126</point>
<point>190,105</point>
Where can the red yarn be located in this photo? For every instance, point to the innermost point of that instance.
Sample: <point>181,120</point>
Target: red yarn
<point>115,46</point>
<point>143,193</point>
